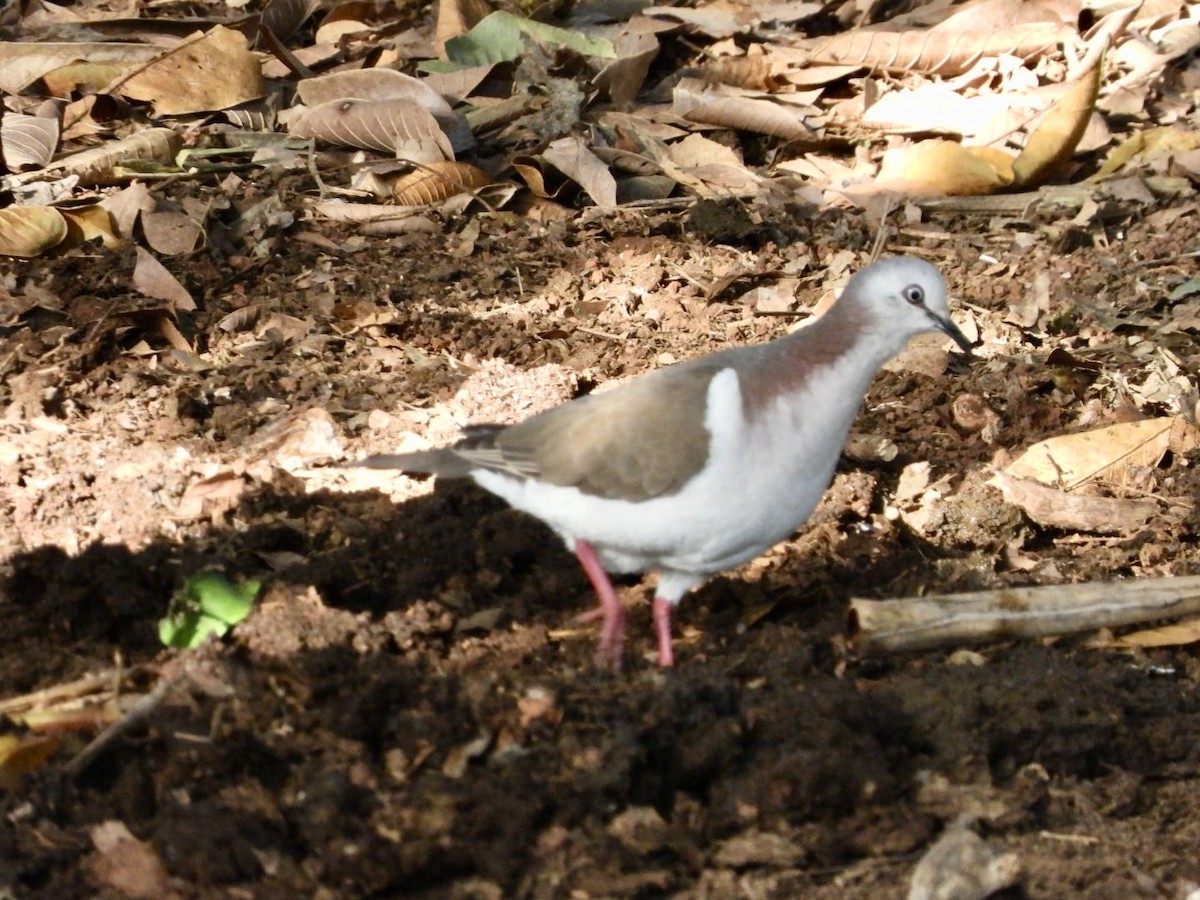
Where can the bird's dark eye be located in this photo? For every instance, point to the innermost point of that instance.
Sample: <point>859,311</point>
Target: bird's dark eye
<point>914,294</point>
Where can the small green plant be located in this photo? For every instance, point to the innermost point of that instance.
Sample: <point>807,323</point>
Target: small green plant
<point>207,603</point>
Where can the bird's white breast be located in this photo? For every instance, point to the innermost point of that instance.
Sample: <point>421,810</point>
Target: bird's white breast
<point>761,481</point>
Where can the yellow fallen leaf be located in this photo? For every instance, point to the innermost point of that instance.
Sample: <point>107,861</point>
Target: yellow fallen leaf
<point>1069,460</point>
<point>1055,139</point>
<point>87,222</point>
<point>29,231</point>
<point>20,755</point>
<point>437,181</point>
<point>1177,634</point>
<point>943,168</point>
<point>1164,138</point>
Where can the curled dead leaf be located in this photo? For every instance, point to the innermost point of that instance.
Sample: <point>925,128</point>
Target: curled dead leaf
<point>753,72</point>
<point>29,231</point>
<point>436,182</point>
<point>573,157</point>
<point>98,165</point>
<point>940,168</point>
<point>694,101</point>
<point>85,223</point>
<point>1055,139</point>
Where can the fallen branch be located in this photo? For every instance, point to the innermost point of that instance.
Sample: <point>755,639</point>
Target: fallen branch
<point>875,627</point>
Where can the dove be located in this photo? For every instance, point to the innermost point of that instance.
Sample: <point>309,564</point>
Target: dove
<point>700,466</point>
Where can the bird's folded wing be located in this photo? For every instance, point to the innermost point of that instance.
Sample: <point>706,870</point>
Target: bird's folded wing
<point>641,440</point>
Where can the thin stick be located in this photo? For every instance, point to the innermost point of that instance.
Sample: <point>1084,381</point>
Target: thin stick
<point>138,713</point>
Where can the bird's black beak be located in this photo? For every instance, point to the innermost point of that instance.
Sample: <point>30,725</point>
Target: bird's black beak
<point>945,324</point>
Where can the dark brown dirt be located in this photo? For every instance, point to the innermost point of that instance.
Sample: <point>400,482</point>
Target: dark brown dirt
<point>411,712</point>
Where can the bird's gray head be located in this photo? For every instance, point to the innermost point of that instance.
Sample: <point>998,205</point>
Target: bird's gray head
<point>902,296</point>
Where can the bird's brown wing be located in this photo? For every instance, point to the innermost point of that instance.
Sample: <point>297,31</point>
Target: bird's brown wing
<point>641,440</point>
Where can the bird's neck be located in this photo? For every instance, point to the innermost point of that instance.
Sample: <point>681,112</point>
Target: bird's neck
<point>841,356</point>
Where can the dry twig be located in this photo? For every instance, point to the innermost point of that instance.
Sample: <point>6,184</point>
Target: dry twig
<point>922,623</point>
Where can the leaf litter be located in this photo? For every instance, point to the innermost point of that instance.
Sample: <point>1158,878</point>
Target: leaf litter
<point>236,253</point>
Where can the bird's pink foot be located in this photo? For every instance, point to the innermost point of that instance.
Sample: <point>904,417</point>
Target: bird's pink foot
<point>612,630</point>
<point>662,630</point>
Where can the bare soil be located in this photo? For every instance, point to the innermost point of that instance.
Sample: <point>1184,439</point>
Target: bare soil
<point>411,710</point>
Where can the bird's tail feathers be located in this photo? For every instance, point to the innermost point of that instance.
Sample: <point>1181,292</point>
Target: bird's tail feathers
<point>444,462</point>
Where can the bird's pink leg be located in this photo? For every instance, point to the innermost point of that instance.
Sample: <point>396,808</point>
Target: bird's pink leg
<point>612,631</point>
<point>662,629</point>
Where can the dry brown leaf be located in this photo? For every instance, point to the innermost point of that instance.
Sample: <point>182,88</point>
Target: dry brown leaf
<point>403,217</point>
<point>1053,508</point>
<point>126,866</point>
<point>934,107</point>
<point>458,84</point>
<point>27,141</point>
<point>953,45</point>
<point>707,168</point>
<point>753,72</point>
<point>402,127</point>
<point>240,319</point>
<point>283,17</point>
<point>692,99</point>
<point>622,79</point>
<point>456,18</point>
<point>126,205</point>
<point>810,76</point>
<point>150,277</point>
<point>87,116</point>
<point>210,71</point>
<point>435,182</point>
<point>1107,453</point>
<point>88,222</point>
<point>97,166</point>
<point>24,63</point>
<point>530,172</point>
<point>936,52</point>
<point>1001,15</point>
<point>171,231</point>
<point>717,20</point>
<point>28,231</point>
<point>258,116</point>
<point>172,335</point>
<point>346,18</point>
<point>571,156</point>
<point>373,84</point>
<point>86,76</point>
<point>1054,140</point>
<point>297,439</point>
